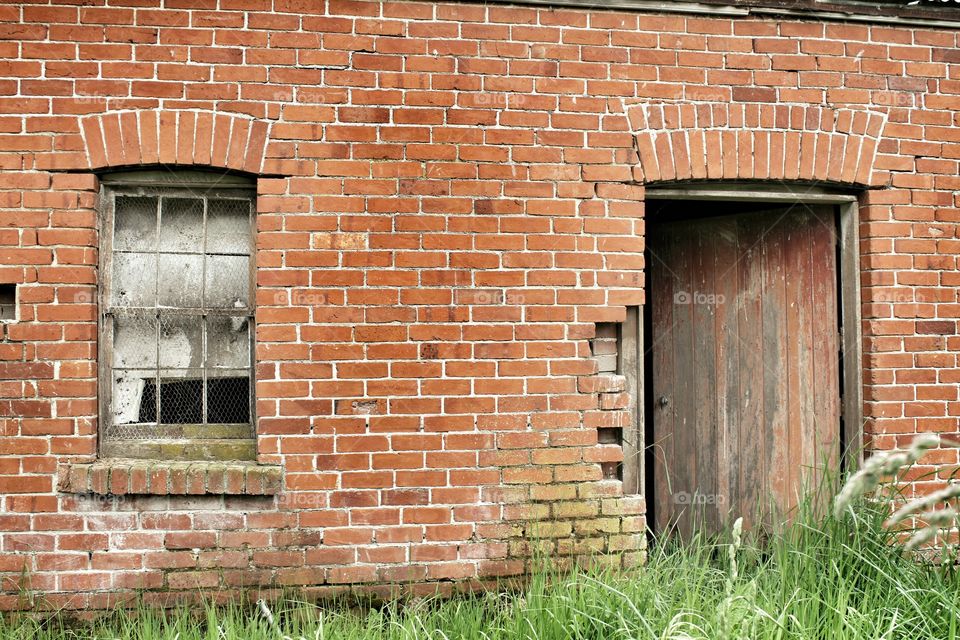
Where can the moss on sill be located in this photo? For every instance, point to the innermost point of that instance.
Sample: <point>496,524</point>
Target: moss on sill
<point>214,449</point>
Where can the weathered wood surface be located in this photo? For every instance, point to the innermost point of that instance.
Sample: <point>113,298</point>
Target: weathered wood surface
<point>744,342</point>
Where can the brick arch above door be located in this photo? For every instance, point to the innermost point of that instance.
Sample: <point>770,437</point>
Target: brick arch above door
<point>757,141</point>
<point>182,137</point>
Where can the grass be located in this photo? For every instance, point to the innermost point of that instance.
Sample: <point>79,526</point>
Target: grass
<point>819,579</point>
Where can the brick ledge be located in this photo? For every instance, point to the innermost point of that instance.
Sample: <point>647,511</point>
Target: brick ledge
<point>148,477</point>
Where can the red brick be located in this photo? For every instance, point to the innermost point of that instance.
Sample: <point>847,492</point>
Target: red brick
<point>466,216</point>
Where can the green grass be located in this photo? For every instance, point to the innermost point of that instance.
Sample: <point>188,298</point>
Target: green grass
<point>826,579</point>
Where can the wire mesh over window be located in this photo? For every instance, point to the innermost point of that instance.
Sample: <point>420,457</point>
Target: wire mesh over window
<point>179,314</point>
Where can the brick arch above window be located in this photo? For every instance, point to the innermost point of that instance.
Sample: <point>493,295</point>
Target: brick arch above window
<point>183,137</point>
<point>756,141</point>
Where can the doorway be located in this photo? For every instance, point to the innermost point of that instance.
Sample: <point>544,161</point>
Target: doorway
<point>745,377</point>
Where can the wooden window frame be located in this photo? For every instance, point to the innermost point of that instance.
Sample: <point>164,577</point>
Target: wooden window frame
<point>233,445</point>
<point>632,332</point>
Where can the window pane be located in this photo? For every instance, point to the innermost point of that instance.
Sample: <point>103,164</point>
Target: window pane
<point>228,398</point>
<point>181,396</point>
<point>134,342</point>
<point>181,225</point>
<point>181,342</point>
<point>181,278</point>
<point>228,226</point>
<point>134,399</point>
<point>134,280</point>
<point>135,224</point>
<point>228,282</point>
<point>179,375</point>
<point>228,342</point>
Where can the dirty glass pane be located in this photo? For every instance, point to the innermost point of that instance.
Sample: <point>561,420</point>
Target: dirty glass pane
<point>181,342</point>
<point>135,224</point>
<point>228,282</point>
<point>134,280</point>
<point>181,278</point>
<point>228,341</point>
<point>181,225</point>
<point>181,396</point>
<point>134,398</point>
<point>228,397</point>
<point>180,369</point>
<point>228,226</point>
<point>134,342</point>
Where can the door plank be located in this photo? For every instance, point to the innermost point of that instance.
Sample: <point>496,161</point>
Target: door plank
<point>682,397</point>
<point>662,448</point>
<point>702,296</point>
<point>751,472</point>
<point>775,358</point>
<point>800,340</point>
<point>744,350</point>
<point>826,345</point>
<point>730,404</point>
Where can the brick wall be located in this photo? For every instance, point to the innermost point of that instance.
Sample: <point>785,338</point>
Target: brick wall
<point>450,200</point>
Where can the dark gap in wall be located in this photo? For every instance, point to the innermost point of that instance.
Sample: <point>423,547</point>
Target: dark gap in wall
<point>8,301</point>
<point>847,457</point>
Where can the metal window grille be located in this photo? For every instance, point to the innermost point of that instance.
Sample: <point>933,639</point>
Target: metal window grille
<point>177,313</point>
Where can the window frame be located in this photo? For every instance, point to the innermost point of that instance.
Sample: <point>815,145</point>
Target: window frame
<point>236,441</point>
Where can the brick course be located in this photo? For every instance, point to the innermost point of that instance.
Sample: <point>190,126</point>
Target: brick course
<point>450,197</point>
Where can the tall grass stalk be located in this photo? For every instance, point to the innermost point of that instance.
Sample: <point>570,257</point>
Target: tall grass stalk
<point>818,578</point>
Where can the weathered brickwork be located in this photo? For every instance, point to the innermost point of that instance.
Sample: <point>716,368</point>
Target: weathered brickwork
<point>450,198</point>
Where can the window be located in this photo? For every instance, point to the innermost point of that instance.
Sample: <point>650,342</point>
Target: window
<point>176,316</point>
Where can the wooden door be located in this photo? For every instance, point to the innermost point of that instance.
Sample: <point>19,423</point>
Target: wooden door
<point>744,341</point>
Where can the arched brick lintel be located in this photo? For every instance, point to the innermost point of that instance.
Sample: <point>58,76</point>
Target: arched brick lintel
<point>756,141</point>
<point>132,138</point>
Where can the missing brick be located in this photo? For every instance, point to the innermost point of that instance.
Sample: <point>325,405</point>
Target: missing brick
<point>609,435</point>
<point>607,350</point>
<point>611,470</point>
<point>605,346</point>
<point>8,302</point>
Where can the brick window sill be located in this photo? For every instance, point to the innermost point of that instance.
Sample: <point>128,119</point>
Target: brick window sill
<point>117,476</point>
